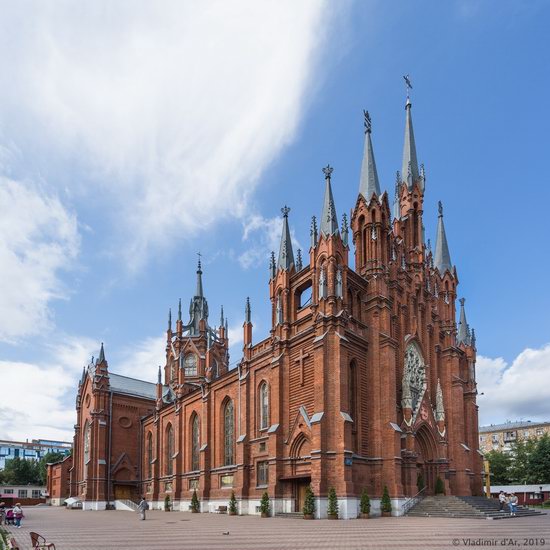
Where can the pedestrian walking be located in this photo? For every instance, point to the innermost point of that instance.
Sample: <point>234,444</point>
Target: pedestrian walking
<point>142,508</point>
<point>18,514</point>
<point>501,500</point>
<point>513,504</point>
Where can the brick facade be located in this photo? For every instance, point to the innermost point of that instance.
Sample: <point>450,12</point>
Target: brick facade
<point>58,486</point>
<point>368,382</point>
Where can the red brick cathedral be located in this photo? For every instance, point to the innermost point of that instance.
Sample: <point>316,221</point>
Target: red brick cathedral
<point>364,381</point>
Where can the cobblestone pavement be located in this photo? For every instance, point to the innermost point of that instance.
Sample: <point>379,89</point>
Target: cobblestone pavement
<point>78,530</point>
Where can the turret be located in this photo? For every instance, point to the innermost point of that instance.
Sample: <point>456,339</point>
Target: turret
<point>247,329</point>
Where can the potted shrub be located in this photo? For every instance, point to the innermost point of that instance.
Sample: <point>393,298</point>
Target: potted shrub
<point>309,504</point>
<point>332,504</point>
<point>364,505</point>
<point>167,503</point>
<point>264,505</point>
<point>195,505</point>
<point>439,486</point>
<point>385,503</point>
<point>232,508</point>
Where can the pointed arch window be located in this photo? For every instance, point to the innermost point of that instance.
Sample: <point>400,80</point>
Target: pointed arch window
<point>87,446</point>
<point>169,466</point>
<point>191,365</point>
<point>149,455</point>
<point>195,442</point>
<point>264,405</point>
<point>229,434</point>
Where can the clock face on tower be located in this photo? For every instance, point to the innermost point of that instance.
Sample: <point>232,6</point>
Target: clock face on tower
<point>416,373</point>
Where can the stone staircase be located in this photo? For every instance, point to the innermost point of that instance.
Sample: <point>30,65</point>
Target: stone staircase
<point>124,504</point>
<point>290,515</point>
<point>464,507</point>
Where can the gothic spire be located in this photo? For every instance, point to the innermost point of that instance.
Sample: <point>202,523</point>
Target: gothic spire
<point>299,263</point>
<point>463,328</point>
<point>396,200</point>
<point>313,232</point>
<point>368,183</point>
<point>409,168</point>
<point>199,292</point>
<point>286,256</point>
<point>247,311</point>
<point>159,376</point>
<point>272,266</point>
<point>329,220</point>
<point>101,357</point>
<point>439,409</point>
<point>345,230</point>
<point>169,318</point>
<point>179,310</point>
<point>442,258</point>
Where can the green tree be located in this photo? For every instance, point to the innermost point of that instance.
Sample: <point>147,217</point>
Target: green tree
<point>19,471</point>
<point>264,504</point>
<point>539,461</point>
<point>309,502</point>
<point>365,502</point>
<point>233,503</point>
<point>195,505</point>
<point>520,467</point>
<point>500,465</point>
<point>385,503</point>
<point>44,461</point>
<point>332,504</point>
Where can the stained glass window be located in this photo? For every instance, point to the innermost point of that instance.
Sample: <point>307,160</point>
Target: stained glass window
<point>195,443</point>
<point>229,433</point>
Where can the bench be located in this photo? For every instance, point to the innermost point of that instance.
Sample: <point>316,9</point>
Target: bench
<point>39,542</point>
<point>12,544</point>
<point>221,510</point>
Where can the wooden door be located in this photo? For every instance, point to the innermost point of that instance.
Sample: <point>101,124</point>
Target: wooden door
<point>123,492</point>
<point>300,495</point>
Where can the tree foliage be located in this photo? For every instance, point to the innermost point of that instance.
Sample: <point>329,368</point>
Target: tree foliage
<point>19,471</point>
<point>332,505</point>
<point>527,463</point>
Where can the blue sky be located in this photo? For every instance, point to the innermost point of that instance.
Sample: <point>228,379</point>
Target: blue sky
<point>133,137</point>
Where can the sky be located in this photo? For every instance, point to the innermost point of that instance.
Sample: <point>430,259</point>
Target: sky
<point>135,134</point>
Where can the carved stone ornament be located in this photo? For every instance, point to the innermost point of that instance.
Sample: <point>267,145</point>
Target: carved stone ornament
<point>416,374</point>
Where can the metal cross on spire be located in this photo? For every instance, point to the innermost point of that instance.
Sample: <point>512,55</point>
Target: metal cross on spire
<point>408,84</point>
<point>327,170</point>
<point>367,122</point>
<point>285,210</point>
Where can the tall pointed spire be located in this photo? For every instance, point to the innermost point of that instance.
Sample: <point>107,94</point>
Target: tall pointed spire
<point>221,317</point>
<point>286,255</point>
<point>179,310</point>
<point>170,319</point>
<point>159,376</point>
<point>299,262</point>
<point>463,328</point>
<point>247,311</point>
<point>409,168</point>
<point>329,220</point>
<point>101,357</point>
<point>199,292</point>
<point>368,183</point>
<point>442,258</point>
<point>345,230</point>
<point>396,200</point>
<point>439,409</point>
<point>272,266</point>
<point>313,232</point>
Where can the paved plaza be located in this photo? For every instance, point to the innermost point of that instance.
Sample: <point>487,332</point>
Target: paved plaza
<point>78,530</point>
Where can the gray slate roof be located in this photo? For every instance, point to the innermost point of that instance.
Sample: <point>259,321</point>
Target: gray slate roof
<point>329,220</point>
<point>286,255</point>
<point>409,150</point>
<point>442,259</point>
<point>511,426</point>
<point>132,386</point>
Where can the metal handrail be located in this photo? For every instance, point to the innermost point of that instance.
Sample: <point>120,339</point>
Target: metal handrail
<point>410,502</point>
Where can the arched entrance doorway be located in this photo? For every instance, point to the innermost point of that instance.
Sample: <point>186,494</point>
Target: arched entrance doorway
<point>300,478</point>
<point>426,468</point>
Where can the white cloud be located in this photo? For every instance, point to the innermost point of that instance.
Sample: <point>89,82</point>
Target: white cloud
<point>175,107</point>
<point>38,240</point>
<point>40,402</point>
<point>142,359</point>
<point>263,235</point>
<point>515,391</point>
